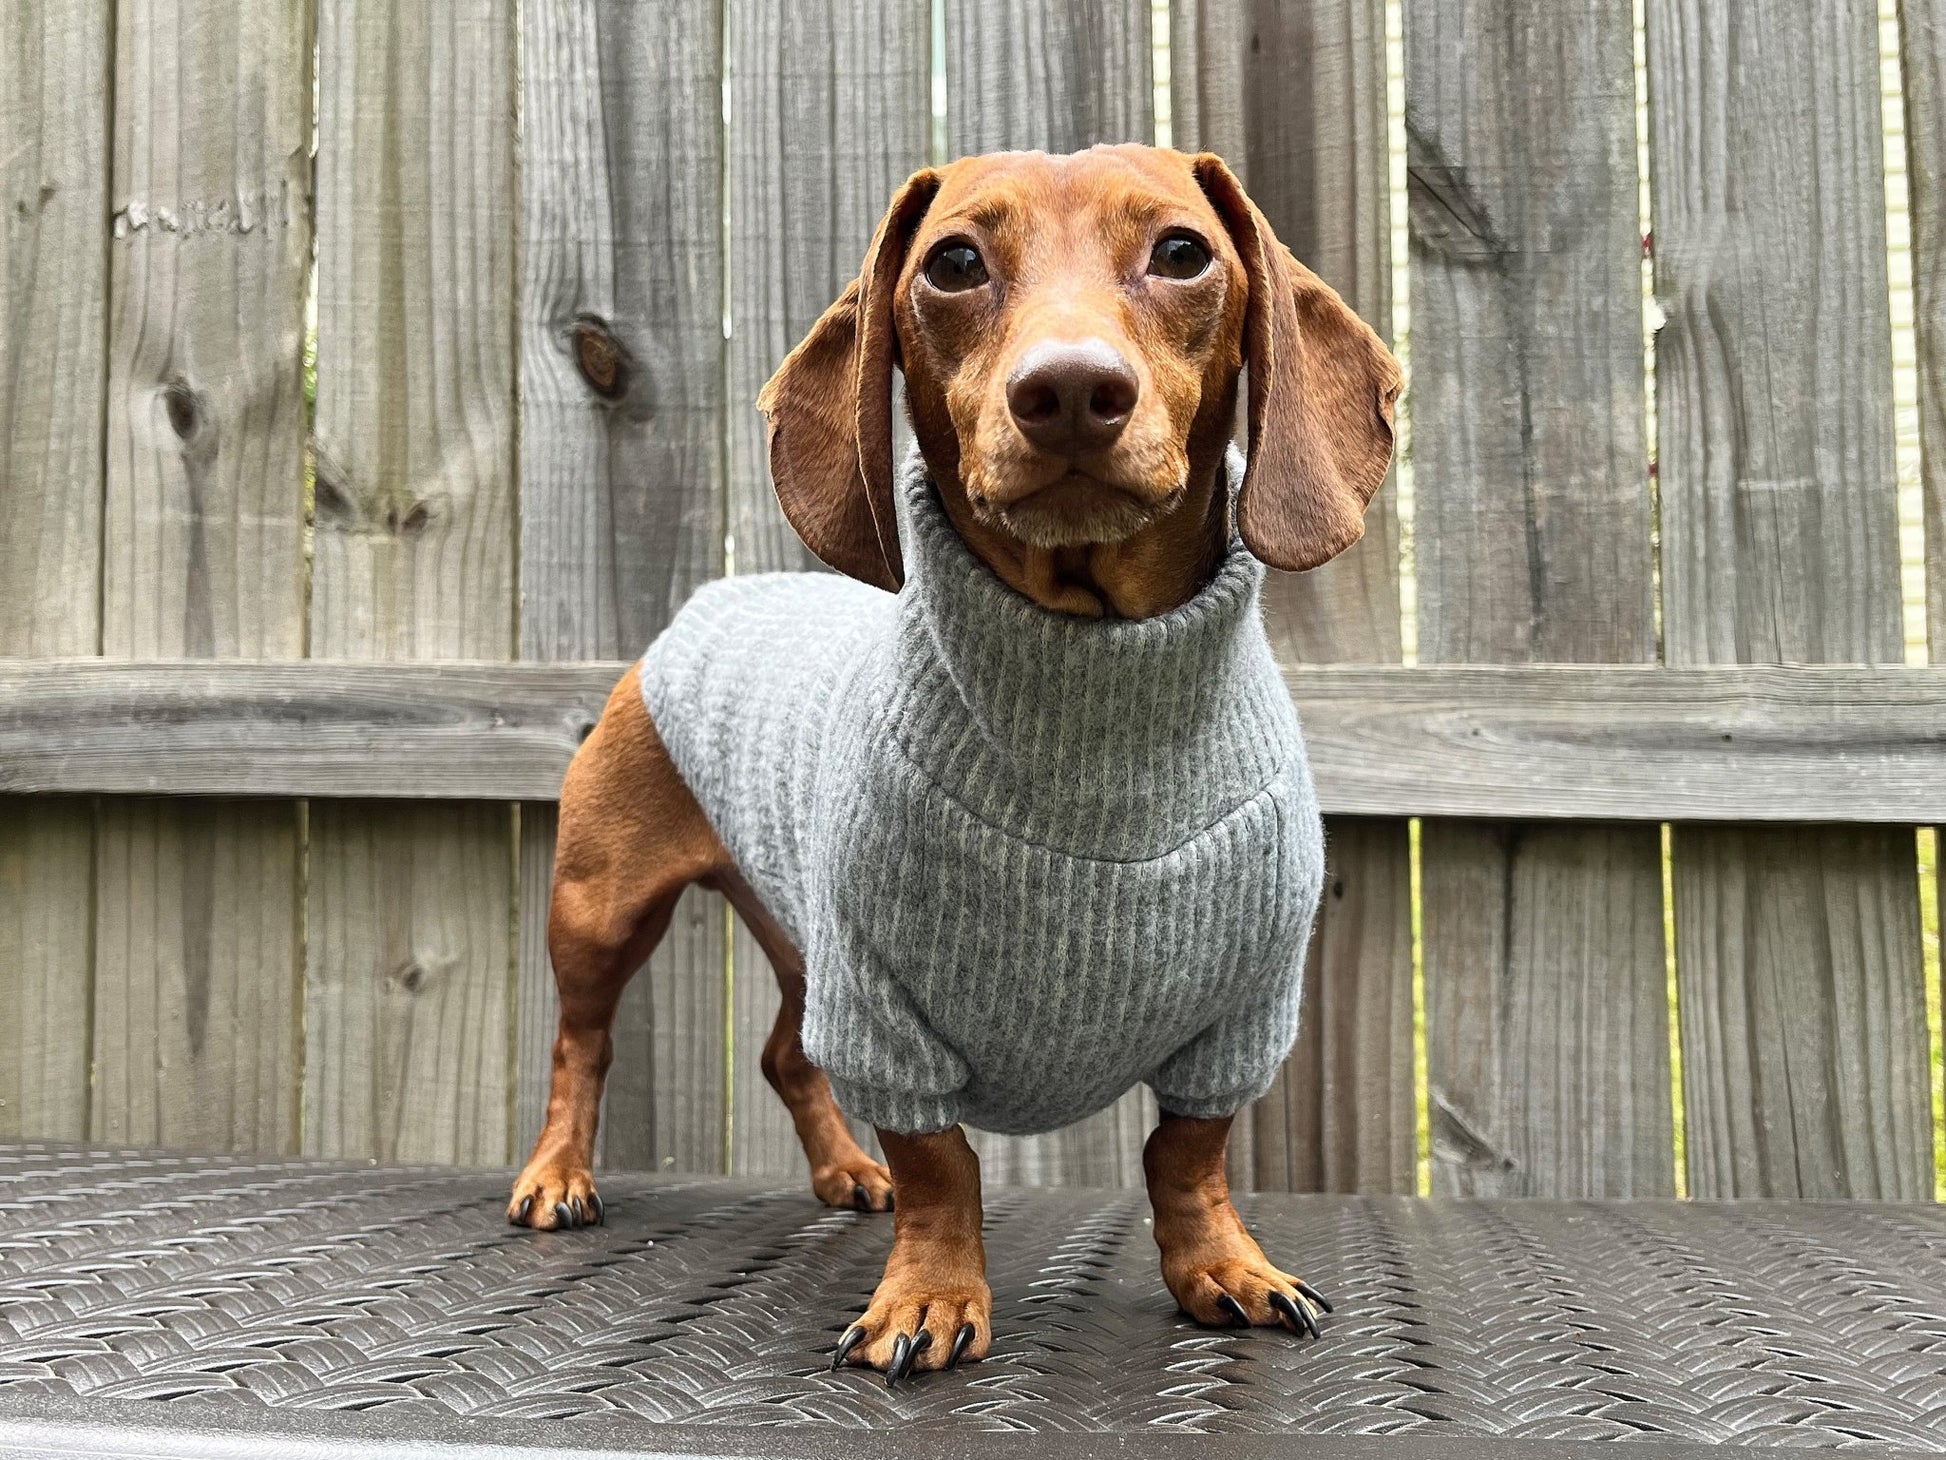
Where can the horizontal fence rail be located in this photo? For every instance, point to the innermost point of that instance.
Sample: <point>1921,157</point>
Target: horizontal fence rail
<point>1784,743</point>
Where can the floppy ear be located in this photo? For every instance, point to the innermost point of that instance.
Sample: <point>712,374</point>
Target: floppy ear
<point>830,411</point>
<point>1322,388</point>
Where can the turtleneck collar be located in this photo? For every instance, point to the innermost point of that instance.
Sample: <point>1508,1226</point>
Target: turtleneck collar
<point>1110,738</point>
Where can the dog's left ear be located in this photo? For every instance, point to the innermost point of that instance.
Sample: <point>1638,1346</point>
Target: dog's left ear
<point>1322,390</point>
<point>830,410</point>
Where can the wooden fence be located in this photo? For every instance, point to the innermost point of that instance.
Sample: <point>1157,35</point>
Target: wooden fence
<point>269,882</point>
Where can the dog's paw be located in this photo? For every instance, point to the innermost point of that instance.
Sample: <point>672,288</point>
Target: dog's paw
<point>1240,1289</point>
<point>551,1195</point>
<point>859,1183</point>
<point>916,1323</point>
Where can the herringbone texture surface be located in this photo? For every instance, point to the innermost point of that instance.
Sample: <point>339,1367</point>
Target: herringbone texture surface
<point>227,1281</point>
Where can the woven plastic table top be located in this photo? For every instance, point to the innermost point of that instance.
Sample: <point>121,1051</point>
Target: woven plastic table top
<point>372,1306</point>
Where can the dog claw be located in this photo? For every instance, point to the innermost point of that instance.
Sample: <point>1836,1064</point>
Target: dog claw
<point>580,1212</point>
<point>861,1198</point>
<point>562,1215</point>
<point>1296,1313</point>
<point>519,1218</point>
<point>847,1343</point>
<point>1235,1309</point>
<point>1315,1296</point>
<point>960,1341</point>
<point>600,1211</point>
<point>904,1350</point>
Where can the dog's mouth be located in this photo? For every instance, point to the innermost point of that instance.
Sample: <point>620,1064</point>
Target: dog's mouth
<point>1078,509</point>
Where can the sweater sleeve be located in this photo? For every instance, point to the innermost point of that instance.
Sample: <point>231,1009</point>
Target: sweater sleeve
<point>1234,1060</point>
<point>885,1065</point>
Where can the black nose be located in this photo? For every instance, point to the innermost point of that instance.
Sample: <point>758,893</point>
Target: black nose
<point>1070,396</point>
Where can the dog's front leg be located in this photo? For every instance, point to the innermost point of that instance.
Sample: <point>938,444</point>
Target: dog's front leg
<point>1210,1262</point>
<point>933,1307</point>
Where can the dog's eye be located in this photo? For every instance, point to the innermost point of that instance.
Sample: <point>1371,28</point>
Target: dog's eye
<point>955,268</point>
<point>1178,256</point>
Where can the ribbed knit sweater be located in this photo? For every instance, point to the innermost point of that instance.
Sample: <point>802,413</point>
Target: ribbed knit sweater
<point>1030,859</point>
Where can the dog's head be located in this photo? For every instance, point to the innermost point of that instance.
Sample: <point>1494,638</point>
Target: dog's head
<point>1071,331</point>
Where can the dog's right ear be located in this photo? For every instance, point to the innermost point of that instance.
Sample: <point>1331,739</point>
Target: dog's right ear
<point>830,410</point>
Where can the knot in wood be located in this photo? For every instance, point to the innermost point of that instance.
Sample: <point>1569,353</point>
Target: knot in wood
<point>602,359</point>
<point>409,975</point>
<point>185,407</point>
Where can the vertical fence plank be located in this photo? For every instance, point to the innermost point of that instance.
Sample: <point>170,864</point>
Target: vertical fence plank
<point>829,112</point>
<point>1057,76</point>
<point>1922,35</point>
<point>1922,29</point>
<point>1294,98</point>
<point>54,147</point>
<point>196,1003</point>
<point>1804,1043</point>
<point>622,480</point>
<point>408,999</point>
<point>1546,1012</point>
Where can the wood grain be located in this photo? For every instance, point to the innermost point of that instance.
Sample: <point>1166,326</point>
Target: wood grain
<point>47,857</point>
<point>622,488</point>
<point>1294,97</point>
<point>1561,742</point>
<point>196,1043</point>
<point>1922,34</point>
<point>1059,77</point>
<point>1342,1116</point>
<point>1804,1067</point>
<point>830,110</point>
<point>407,1031</point>
<point>196,1010</point>
<point>1922,38</point>
<point>1779,542</point>
<point>1546,1077</point>
<point>55,84</point>
<point>410,996</point>
<point>1544,957</point>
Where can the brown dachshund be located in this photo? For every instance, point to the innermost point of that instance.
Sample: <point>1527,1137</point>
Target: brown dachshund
<point>1072,332</point>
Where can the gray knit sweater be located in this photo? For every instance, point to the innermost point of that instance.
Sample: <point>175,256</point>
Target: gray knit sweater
<point>1030,859</point>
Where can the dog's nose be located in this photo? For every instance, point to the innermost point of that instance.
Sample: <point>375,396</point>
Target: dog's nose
<point>1069,396</point>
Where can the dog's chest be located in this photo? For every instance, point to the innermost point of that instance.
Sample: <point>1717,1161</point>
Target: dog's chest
<point>1029,958</point>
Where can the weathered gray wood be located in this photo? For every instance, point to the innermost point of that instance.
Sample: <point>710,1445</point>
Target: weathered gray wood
<point>1545,1076</point>
<point>1922,33</point>
<point>196,1041</point>
<point>54,157</point>
<point>47,854</point>
<point>1560,742</point>
<point>196,959</point>
<point>54,149</point>
<point>409,996</point>
<point>830,109</point>
<point>1294,97</point>
<point>1543,949</point>
<point>1779,542</point>
<point>1342,1116</point>
<point>1058,75</point>
<point>406,1033</point>
<point>439,731</point>
<point>1804,1067</point>
<point>622,492</point>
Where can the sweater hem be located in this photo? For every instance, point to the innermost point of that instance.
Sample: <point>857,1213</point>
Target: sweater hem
<point>895,1110</point>
<point>1209,1107</point>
